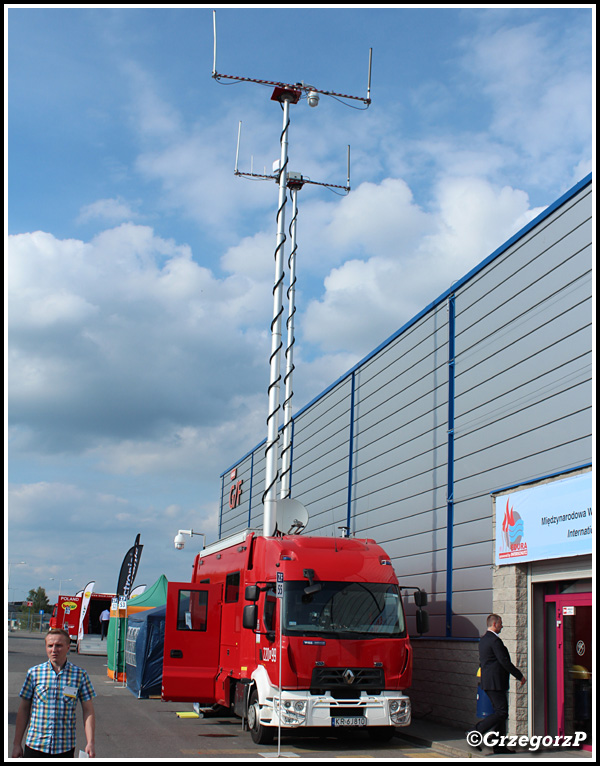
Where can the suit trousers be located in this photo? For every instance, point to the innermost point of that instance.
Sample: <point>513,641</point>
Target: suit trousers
<point>496,721</point>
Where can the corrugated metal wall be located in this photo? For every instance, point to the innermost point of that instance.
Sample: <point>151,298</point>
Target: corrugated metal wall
<point>488,386</point>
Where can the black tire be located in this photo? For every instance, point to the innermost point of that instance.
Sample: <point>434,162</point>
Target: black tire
<point>261,735</point>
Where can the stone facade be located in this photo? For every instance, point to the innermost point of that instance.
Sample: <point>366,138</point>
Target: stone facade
<point>510,602</point>
<point>444,687</point>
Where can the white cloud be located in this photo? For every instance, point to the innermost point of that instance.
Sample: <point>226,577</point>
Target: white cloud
<point>540,87</point>
<point>367,299</point>
<point>193,163</point>
<point>43,516</point>
<point>109,211</point>
<point>377,218</point>
<point>122,335</point>
<point>252,257</point>
<point>474,218</point>
<point>151,114</point>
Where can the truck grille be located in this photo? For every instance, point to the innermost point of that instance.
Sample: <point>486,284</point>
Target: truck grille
<point>347,682</point>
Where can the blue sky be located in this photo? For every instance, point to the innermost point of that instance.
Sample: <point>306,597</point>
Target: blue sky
<point>139,268</point>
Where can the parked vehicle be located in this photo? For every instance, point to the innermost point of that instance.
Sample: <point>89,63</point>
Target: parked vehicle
<point>292,631</point>
<point>67,613</point>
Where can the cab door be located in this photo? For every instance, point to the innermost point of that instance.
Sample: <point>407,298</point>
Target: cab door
<point>192,640</point>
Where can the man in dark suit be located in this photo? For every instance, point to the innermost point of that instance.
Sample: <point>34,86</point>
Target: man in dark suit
<point>496,669</point>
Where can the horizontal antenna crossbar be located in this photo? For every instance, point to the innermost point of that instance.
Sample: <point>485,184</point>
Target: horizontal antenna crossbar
<point>303,181</point>
<point>289,86</point>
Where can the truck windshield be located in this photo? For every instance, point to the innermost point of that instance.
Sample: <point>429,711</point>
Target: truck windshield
<point>343,609</point>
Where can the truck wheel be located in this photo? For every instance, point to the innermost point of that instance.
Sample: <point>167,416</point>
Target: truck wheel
<point>261,735</point>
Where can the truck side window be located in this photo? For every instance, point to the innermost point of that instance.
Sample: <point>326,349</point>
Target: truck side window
<point>269,613</point>
<point>232,588</point>
<point>192,610</point>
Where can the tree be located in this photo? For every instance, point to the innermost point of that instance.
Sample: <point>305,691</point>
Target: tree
<point>40,600</point>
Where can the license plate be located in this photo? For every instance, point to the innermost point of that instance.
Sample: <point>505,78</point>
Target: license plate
<point>354,721</point>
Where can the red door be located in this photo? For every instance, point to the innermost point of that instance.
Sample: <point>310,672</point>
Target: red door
<point>571,709</point>
<point>192,639</point>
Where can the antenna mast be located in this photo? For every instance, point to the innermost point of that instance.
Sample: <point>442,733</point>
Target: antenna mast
<point>286,94</point>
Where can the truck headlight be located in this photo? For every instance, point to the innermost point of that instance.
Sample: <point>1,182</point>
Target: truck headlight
<point>400,711</point>
<point>293,711</point>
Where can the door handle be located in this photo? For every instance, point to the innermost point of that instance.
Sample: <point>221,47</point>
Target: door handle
<point>176,653</point>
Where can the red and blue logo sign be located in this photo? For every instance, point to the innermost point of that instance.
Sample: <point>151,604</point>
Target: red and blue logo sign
<point>513,533</point>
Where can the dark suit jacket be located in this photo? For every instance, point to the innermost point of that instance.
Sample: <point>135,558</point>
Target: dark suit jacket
<point>496,666</point>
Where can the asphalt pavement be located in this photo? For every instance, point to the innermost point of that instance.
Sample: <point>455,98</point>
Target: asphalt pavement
<point>130,728</point>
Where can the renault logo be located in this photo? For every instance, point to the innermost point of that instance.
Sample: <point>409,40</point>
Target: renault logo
<point>348,676</point>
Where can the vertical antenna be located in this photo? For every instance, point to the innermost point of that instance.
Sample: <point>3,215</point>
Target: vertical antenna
<point>348,184</point>
<point>214,43</point>
<point>369,80</point>
<point>237,151</point>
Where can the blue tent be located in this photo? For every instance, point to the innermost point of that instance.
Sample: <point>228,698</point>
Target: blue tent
<point>144,646</point>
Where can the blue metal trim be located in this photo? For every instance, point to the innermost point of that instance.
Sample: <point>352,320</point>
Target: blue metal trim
<point>221,505</point>
<point>351,454</point>
<point>241,460</point>
<point>541,478</point>
<point>450,486</point>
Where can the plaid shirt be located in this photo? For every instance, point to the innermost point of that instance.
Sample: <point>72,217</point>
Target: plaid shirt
<point>54,705</point>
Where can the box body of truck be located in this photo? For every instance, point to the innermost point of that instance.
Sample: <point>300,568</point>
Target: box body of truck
<point>326,646</point>
<point>67,613</point>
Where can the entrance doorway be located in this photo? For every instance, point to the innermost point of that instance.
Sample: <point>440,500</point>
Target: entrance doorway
<point>568,664</point>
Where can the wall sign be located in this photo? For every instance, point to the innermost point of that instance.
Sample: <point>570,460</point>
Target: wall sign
<point>235,494</point>
<point>547,521</point>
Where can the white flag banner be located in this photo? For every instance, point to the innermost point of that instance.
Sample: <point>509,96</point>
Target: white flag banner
<point>87,594</point>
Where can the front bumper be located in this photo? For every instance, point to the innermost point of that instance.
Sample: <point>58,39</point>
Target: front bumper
<point>302,709</point>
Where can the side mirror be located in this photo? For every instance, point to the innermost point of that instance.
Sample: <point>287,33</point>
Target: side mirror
<point>252,593</point>
<point>420,598</point>
<point>250,616</point>
<point>422,622</point>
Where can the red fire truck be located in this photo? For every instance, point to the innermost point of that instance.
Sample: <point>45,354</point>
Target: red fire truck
<point>67,613</point>
<point>292,631</point>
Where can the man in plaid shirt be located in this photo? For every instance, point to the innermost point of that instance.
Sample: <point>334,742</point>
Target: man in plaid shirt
<point>49,705</point>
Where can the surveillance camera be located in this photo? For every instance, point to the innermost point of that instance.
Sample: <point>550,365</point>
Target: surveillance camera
<point>179,541</point>
<point>313,98</point>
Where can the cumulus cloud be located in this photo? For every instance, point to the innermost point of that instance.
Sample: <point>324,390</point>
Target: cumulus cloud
<point>44,514</point>
<point>108,211</point>
<point>120,336</point>
<point>411,256</point>
<point>539,85</point>
<point>189,161</point>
